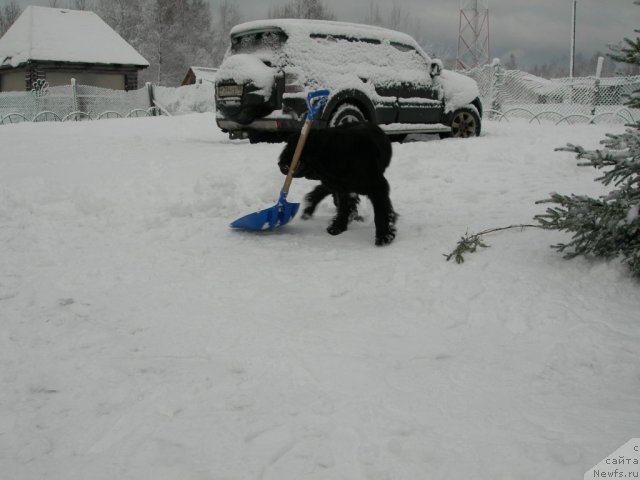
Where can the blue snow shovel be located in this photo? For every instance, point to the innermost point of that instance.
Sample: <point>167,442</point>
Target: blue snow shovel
<point>283,211</point>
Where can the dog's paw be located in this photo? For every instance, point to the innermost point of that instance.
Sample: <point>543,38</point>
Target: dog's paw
<point>386,236</point>
<point>334,229</point>
<point>385,239</point>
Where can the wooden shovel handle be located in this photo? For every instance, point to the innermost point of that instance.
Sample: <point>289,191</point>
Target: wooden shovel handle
<point>296,155</point>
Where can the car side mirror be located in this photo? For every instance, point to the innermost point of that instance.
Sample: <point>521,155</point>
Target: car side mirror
<point>435,69</point>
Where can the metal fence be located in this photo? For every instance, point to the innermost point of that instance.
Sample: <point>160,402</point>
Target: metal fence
<point>82,102</point>
<point>505,94</point>
<point>513,93</point>
<point>75,102</point>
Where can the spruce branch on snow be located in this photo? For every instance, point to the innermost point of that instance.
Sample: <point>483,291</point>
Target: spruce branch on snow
<point>470,243</point>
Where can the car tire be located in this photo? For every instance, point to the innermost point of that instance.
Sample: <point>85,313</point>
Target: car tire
<point>346,113</point>
<point>398,137</point>
<point>464,123</point>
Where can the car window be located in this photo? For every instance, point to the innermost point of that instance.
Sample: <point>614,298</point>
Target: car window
<point>366,58</point>
<point>382,62</point>
<point>269,41</point>
<point>410,64</point>
<point>335,38</point>
<point>402,47</point>
<point>409,57</point>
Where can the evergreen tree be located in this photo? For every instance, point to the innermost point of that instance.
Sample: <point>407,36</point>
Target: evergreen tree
<point>608,226</point>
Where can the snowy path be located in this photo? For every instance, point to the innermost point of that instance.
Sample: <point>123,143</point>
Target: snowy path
<point>142,339</point>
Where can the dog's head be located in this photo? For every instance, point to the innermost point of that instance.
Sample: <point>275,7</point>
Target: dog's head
<point>303,169</point>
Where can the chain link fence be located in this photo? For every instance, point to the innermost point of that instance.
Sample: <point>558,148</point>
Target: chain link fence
<point>74,102</point>
<point>513,93</point>
<point>505,94</point>
<point>84,102</point>
<point>197,98</point>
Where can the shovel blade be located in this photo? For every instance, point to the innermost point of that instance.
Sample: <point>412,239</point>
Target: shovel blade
<point>269,218</point>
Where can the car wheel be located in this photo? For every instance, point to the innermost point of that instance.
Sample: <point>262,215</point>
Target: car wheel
<point>398,137</point>
<point>465,123</point>
<point>346,113</point>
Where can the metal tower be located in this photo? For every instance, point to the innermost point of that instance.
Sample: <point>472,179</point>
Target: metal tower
<point>473,36</point>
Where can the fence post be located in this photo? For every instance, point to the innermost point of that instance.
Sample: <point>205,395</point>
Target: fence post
<point>596,87</point>
<point>497,81</point>
<point>74,92</point>
<point>151,101</point>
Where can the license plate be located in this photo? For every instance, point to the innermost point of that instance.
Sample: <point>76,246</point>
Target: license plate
<point>229,90</point>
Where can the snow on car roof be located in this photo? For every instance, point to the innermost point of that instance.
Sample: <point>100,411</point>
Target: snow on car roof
<point>61,35</point>
<point>300,27</point>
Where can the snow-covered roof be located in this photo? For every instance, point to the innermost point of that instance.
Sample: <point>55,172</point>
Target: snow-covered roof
<point>204,74</point>
<point>307,27</point>
<point>60,35</point>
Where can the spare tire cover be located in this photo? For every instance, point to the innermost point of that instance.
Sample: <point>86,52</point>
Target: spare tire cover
<point>258,80</point>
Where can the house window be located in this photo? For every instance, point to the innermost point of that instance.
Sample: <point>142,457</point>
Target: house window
<point>13,81</point>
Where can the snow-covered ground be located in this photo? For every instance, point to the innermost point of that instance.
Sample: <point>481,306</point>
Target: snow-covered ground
<point>142,339</point>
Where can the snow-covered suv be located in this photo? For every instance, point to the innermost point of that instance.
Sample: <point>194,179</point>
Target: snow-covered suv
<point>374,74</point>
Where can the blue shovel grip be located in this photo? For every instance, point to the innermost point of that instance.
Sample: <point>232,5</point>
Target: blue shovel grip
<point>316,100</point>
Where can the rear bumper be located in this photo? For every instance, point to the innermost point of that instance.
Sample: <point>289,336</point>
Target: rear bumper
<point>274,122</point>
<point>409,128</point>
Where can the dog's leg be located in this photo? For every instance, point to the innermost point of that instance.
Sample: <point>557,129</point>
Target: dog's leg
<point>384,215</point>
<point>354,208</point>
<point>312,199</point>
<point>346,204</point>
<point>354,201</point>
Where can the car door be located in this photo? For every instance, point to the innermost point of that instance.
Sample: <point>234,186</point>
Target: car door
<point>419,97</point>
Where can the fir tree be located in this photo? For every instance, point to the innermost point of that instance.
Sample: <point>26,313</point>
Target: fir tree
<point>608,226</point>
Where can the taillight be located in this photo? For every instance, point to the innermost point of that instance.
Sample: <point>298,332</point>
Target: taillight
<point>292,83</point>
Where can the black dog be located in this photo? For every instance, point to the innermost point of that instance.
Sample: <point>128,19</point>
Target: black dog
<point>348,160</point>
<point>315,196</point>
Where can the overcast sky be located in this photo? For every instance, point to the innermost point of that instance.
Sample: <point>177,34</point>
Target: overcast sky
<point>534,30</point>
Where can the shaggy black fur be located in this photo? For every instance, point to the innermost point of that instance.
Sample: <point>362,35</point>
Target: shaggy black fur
<point>315,196</point>
<point>348,160</point>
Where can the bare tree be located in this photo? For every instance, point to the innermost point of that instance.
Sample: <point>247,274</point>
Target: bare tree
<point>8,15</point>
<point>303,9</point>
<point>53,3</point>
<point>374,17</point>
<point>226,17</point>
<point>171,34</point>
<point>397,18</point>
<point>80,4</point>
